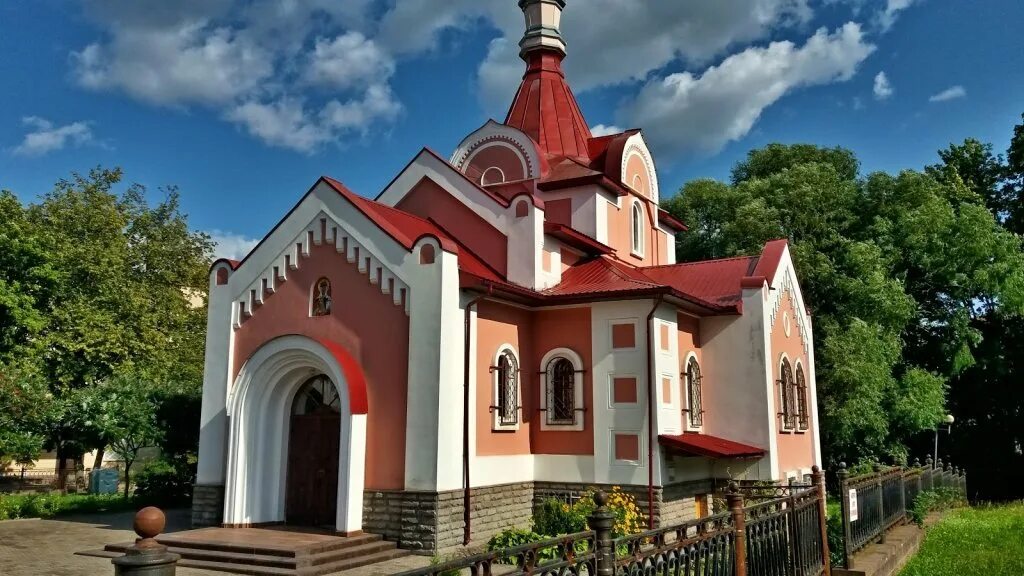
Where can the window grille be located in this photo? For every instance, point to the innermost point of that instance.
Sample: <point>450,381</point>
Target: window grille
<point>508,390</point>
<point>693,394</point>
<point>801,400</point>
<point>786,390</point>
<point>561,391</point>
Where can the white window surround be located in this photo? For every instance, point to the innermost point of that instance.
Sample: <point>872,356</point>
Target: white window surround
<point>496,389</point>
<point>612,377</point>
<point>780,386</point>
<point>577,364</point>
<point>636,229</point>
<point>685,375</point>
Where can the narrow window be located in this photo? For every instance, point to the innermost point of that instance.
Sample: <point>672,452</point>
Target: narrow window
<point>507,405</point>
<point>786,389</point>
<point>801,397</point>
<point>561,376</point>
<point>638,234</point>
<point>693,394</point>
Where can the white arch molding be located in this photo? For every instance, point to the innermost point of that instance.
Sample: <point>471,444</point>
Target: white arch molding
<point>259,413</point>
<point>577,364</point>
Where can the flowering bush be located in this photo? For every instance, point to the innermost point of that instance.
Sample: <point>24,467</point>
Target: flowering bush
<point>555,517</point>
<point>628,518</point>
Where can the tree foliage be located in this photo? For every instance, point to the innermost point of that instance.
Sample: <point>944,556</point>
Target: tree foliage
<point>98,286</point>
<point>897,269</point>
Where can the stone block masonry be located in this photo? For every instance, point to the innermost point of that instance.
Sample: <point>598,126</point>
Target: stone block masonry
<point>207,505</point>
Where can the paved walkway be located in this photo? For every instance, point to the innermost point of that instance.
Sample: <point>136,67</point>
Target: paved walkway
<point>47,547</point>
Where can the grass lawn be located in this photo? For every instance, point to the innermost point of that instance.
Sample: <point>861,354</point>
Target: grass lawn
<point>987,540</point>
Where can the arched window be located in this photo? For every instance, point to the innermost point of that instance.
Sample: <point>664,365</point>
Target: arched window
<point>638,229</point>
<point>322,301</point>
<point>695,407</point>
<point>786,389</point>
<point>317,394</point>
<point>505,408</point>
<point>562,392</point>
<point>801,398</point>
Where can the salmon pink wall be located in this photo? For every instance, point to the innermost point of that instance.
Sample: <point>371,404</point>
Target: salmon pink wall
<point>496,325</point>
<point>369,325</point>
<point>620,234</point>
<point>428,200</point>
<point>498,156</point>
<point>796,449</point>
<point>569,328</point>
<point>636,176</point>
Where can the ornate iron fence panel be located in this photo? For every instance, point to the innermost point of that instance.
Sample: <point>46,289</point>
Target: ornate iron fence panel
<point>911,488</point>
<point>869,518</point>
<point>805,523</point>
<point>768,542</point>
<point>893,510</point>
<point>705,547</point>
<point>569,555</point>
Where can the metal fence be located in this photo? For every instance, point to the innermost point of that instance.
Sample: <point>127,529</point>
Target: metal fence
<point>876,502</point>
<point>783,534</point>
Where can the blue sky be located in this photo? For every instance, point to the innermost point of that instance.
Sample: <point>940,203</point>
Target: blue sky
<point>243,103</point>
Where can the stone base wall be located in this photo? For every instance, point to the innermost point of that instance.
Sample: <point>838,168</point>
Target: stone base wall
<point>207,505</point>
<point>434,522</point>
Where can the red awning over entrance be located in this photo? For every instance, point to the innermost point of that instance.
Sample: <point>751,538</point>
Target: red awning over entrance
<point>693,444</point>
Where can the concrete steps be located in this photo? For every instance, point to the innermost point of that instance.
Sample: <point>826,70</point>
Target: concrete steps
<point>325,557</point>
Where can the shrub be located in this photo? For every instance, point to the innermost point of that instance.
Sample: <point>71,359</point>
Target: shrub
<point>56,504</point>
<point>165,483</point>
<point>514,537</point>
<point>438,560</point>
<point>935,500</point>
<point>555,517</point>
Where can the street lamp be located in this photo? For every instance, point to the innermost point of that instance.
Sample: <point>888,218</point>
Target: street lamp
<point>948,421</point>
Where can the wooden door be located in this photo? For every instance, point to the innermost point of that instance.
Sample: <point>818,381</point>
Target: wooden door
<point>312,485</point>
<point>701,501</point>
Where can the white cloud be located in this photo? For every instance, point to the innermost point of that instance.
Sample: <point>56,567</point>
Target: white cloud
<point>285,123</point>
<point>231,245</point>
<point>377,104</point>
<point>44,137</point>
<point>887,17</point>
<point>188,63</point>
<point>882,88</point>
<point>951,93</point>
<point>686,112</point>
<point>604,130</point>
<point>347,61</point>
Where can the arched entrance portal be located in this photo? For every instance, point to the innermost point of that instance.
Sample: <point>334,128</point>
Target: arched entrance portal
<point>314,438</point>
<point>287,394</point>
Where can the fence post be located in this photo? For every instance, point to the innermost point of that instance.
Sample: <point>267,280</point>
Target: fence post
<point>601,521</point>
<point>739,523</point>
<point>903,494</point>
<point>147,557</point>
<point>942,474</point>
<point>929,467</point>
<point>879,508</point>
<point>844,505</point>
<point>818,479</point>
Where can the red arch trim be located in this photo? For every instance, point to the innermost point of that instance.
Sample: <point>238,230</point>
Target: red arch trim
<point>354,377</point>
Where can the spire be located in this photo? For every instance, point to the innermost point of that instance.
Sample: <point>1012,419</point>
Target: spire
<point>542,21</point>
<point>545,107</point>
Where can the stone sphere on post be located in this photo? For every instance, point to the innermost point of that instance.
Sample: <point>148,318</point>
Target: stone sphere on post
<point>147,557</point>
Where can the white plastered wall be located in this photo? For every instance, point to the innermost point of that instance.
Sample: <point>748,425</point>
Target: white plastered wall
<point>213,422</point>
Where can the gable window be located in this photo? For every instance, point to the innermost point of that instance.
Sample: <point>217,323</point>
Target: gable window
<point>695,406</point>
<point>562,390</point>
<point>637,229</point>
<point>801,398</point>
<point>787,388</point>
<point>505,408</point>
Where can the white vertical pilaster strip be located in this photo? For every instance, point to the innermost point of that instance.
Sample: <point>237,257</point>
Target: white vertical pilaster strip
<point>450,376</point>
<point>216,373</point>
<point>350,489</point>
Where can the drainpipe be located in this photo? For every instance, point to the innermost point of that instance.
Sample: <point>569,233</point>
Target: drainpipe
<point>467,491</point>
<point>650,412</point>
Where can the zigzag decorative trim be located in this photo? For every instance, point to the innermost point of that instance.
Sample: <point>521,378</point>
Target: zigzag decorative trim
<point>317,233</point>
<point>788,289</point>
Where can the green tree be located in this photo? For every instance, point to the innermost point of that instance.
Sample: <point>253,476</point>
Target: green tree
<point>127,419</point>
<point>103,284</point>
<point>894,267</point>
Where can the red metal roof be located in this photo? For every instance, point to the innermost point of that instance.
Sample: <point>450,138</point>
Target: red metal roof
<point>715,281</point>
<point>694,444</point>
<point>602,274</point>
<point>546,109</point>
<point>575,239</point>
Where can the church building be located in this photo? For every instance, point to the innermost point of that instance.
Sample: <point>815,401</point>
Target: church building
<point>496,327</point>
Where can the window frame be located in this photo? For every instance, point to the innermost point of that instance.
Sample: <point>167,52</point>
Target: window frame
<point>691,358</point>
<point>803,416</point>
<point>636,221</point>
<point>787,387</point>
<point>579,407</point>
<point>497,422</point>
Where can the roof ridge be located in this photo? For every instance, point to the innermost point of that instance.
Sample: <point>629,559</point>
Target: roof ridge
<point>615,270</point>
